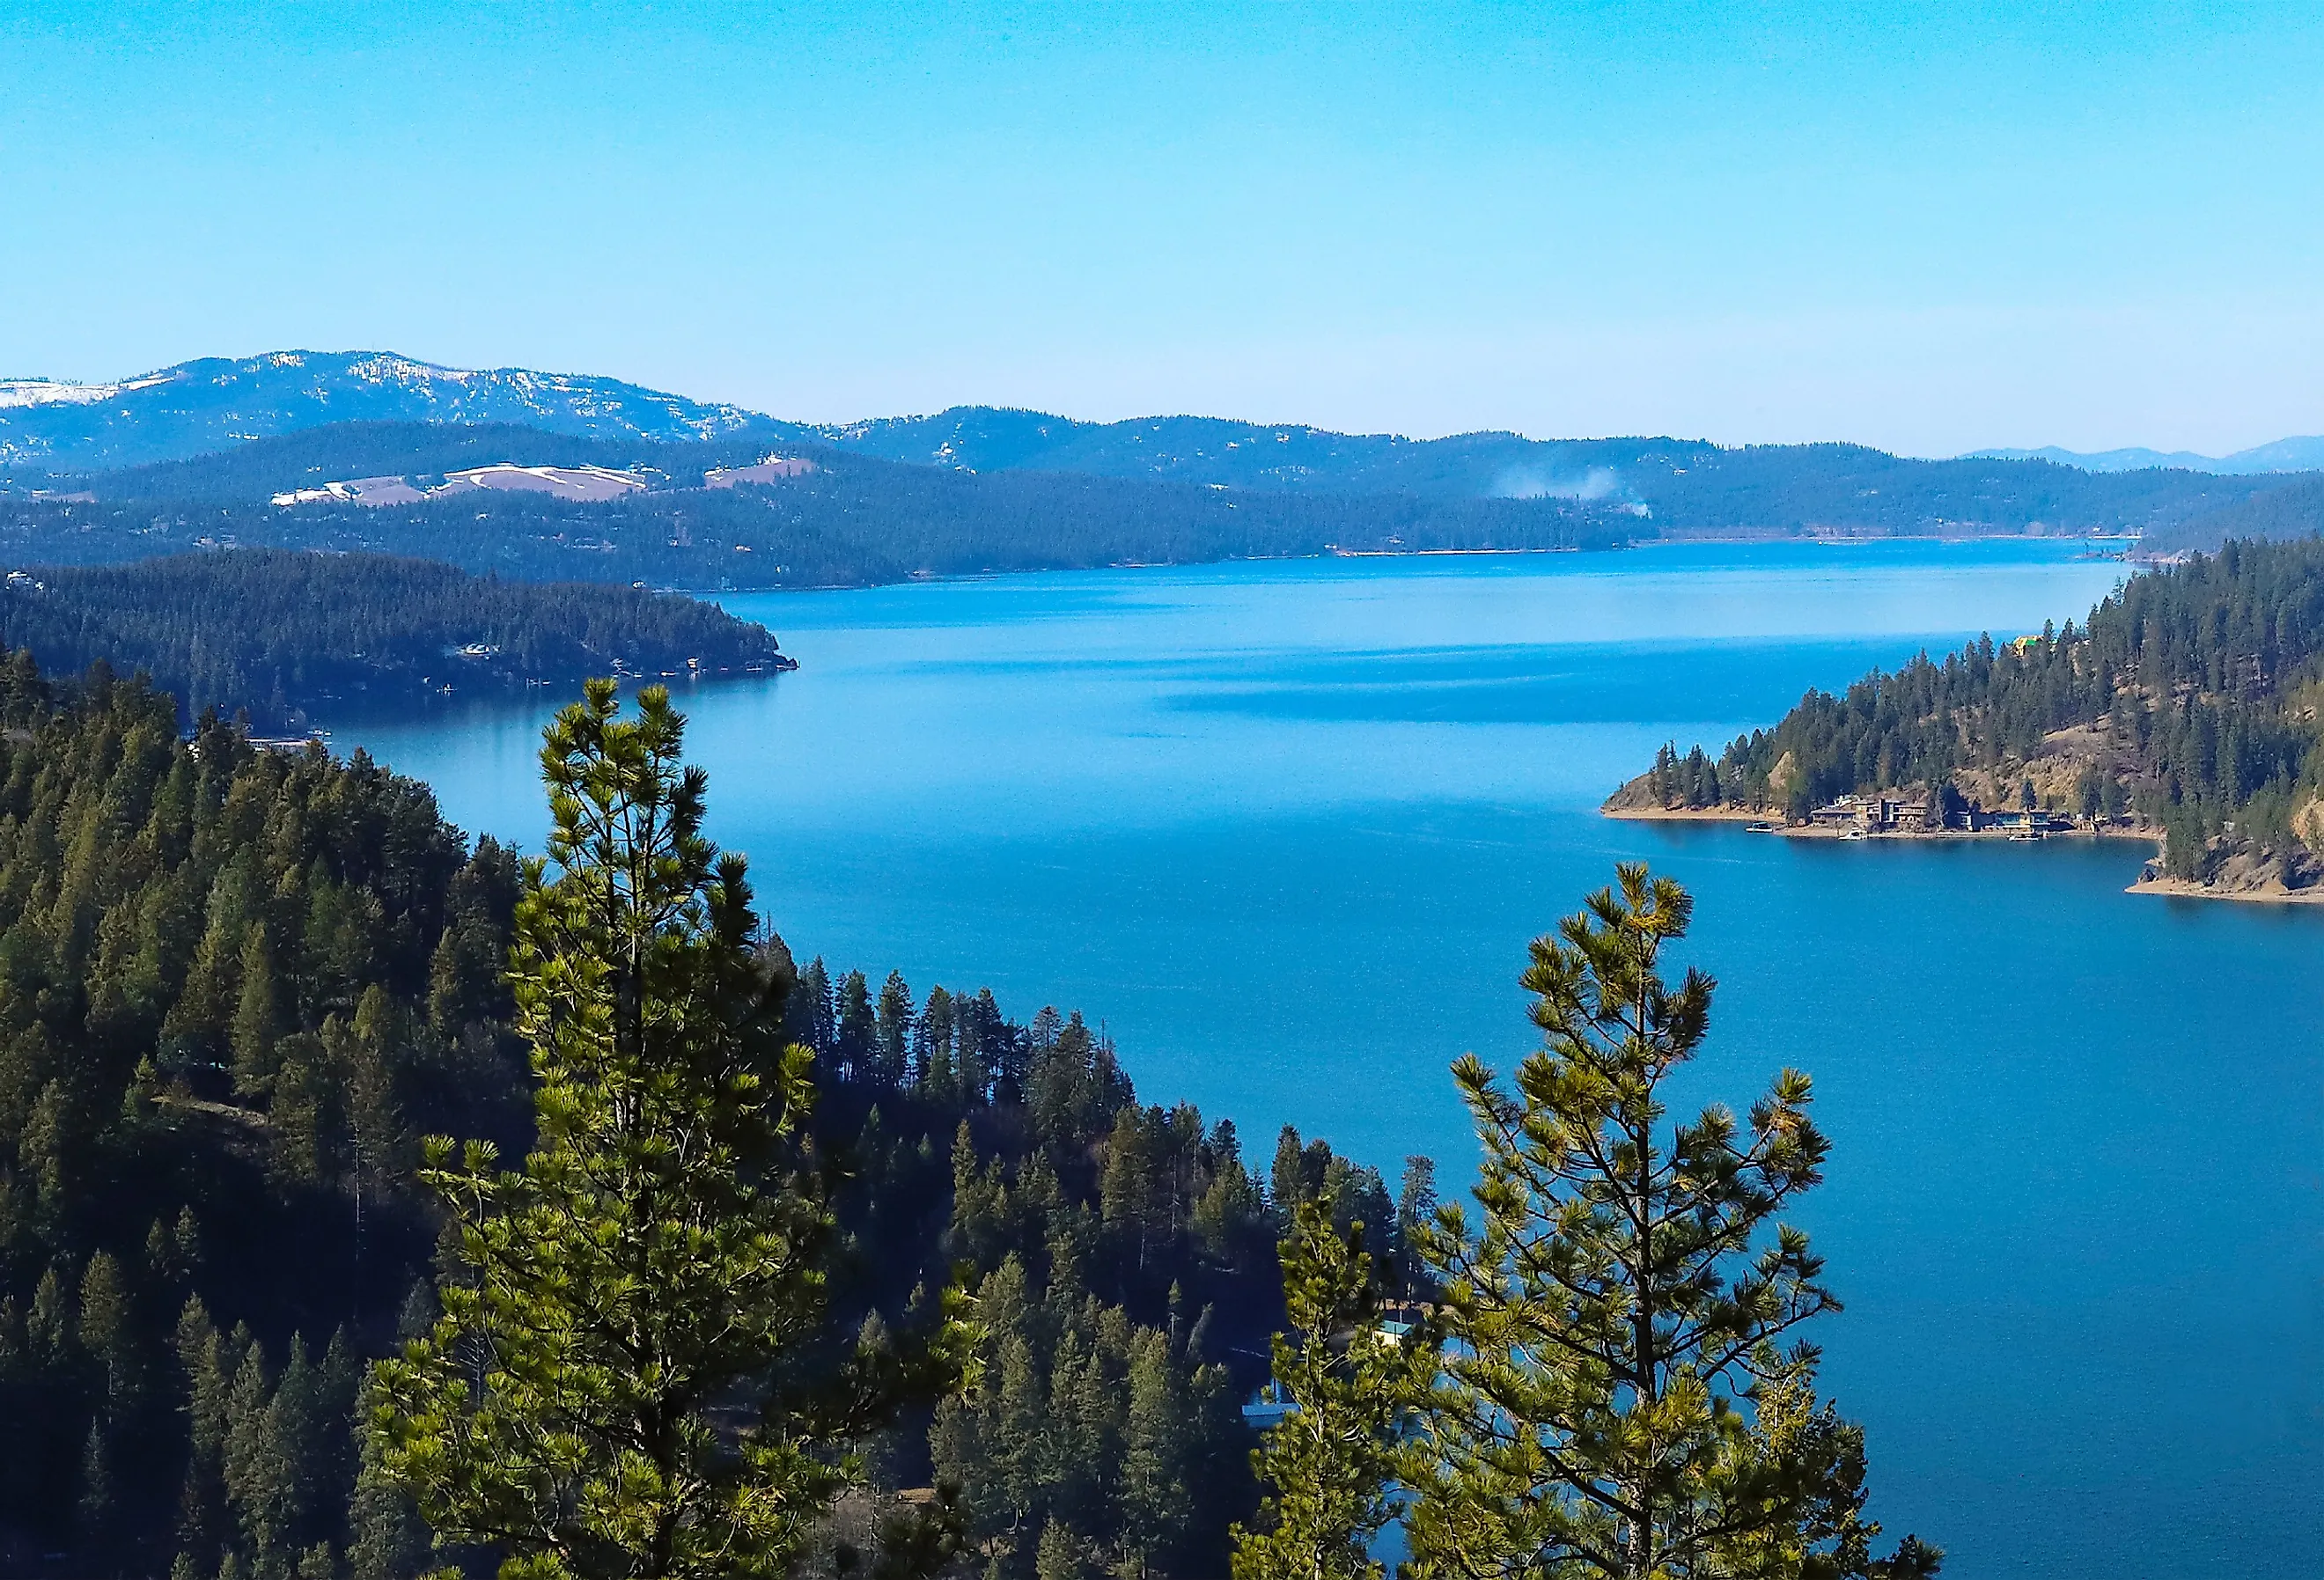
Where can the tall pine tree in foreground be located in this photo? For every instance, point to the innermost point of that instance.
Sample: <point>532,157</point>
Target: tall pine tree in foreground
<point>1622,1393</point>
<point>633,1375</point>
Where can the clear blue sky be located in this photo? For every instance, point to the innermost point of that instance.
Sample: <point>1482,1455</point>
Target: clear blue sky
<point>1926,227</point>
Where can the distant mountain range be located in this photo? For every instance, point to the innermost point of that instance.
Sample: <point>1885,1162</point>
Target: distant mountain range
<point>301,420</point>
<point>2284,455</point>
<point>214,403</point>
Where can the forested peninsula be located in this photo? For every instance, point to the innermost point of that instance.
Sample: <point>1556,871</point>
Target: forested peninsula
<point>285,637</point>
<point>2186,707</point>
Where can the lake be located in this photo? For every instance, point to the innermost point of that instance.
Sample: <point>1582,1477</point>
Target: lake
<point>1287,827</point>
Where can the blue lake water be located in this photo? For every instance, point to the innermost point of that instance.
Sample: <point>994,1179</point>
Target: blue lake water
<point>1287,827</point>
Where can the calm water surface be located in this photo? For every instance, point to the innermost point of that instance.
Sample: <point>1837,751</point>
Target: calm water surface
<point>1287,827</point>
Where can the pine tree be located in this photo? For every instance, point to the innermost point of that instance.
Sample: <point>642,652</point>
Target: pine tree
<point>854,1030</point>
<point>254,1016</point>
<point>254,1473</point>
<point>1125,1186</point>
<point>810,1010</point>
<point>96,1508</point>
<point>201,1501</point>
<point>891,1034</point>
<point>931,1061</point>
<point>1288,1180</point>
<point>48,1329</point>
<point>386,1540</point>
<point>1061,1555</point>
<point>660,1253</point>
<point>107,1334</point>
<point>1155,1449</point>
<point>1331,1461</point>
<point>1416,1209</point>
<point>295,1463</point>
<point>1614,1400</point>
<point>186,1237</point>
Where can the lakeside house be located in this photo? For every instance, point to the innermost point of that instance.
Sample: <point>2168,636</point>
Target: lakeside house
<point>1396,1322</point>
<point>1895,814</point>
<point>1874,813</point>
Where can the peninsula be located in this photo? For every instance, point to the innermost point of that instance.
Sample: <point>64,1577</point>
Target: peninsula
<point>2185,711</point>
<point>284,637</point>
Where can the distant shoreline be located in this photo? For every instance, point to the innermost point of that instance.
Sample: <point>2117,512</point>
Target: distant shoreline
<point>1723,538</point>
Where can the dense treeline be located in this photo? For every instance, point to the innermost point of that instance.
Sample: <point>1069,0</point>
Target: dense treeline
<point>854,521</point>
<point>1687,484</point>
<point>1684,486</point>
<point>1123,1260</point>
<point>237,986</point>
<point>1848,487</point>
<point>1016,490</point>
<point>283,636</point>
<point>234,985</point>
<point>2291,510</point>
<point>2187,698</point>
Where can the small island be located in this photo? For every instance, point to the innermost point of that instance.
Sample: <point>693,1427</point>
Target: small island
<point>2184,713</point>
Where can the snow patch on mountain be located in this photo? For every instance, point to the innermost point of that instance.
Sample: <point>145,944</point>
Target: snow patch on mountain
<point>212,405</point>
<point>66,393</point>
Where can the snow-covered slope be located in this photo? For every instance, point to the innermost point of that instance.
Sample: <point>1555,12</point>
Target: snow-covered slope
<point>210,404</point>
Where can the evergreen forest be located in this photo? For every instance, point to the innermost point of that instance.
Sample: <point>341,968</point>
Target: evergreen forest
<point>1675,486</point>
<point>238,986</point>
<point>281,637</point>
<point>2187,702</point>
<point>2294,509</point>
<point>981,491</point>
<point>854,521</point>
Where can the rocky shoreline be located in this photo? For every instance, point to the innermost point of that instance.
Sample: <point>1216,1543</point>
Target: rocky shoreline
<point>2236,876</point>
<point>2189,889</point>
<point>1770,823</point>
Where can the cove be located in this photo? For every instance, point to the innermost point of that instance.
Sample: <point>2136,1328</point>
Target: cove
<point>1286,828</point>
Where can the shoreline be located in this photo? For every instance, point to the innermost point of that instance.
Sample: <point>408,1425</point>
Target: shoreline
<point>2186,889</point>
<point>1809,831</point>
<point>2164,888</point>
<point>1728,538</point>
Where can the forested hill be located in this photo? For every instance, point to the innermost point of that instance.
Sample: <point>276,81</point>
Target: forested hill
<point>1686,486</point>
<point>285,636</point>
<point>850,521</point>
<point>2295,510</point>
<point>237,986</point>
<point>183,436</point>
<point>856,520</point>
<point>2189,701</point>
